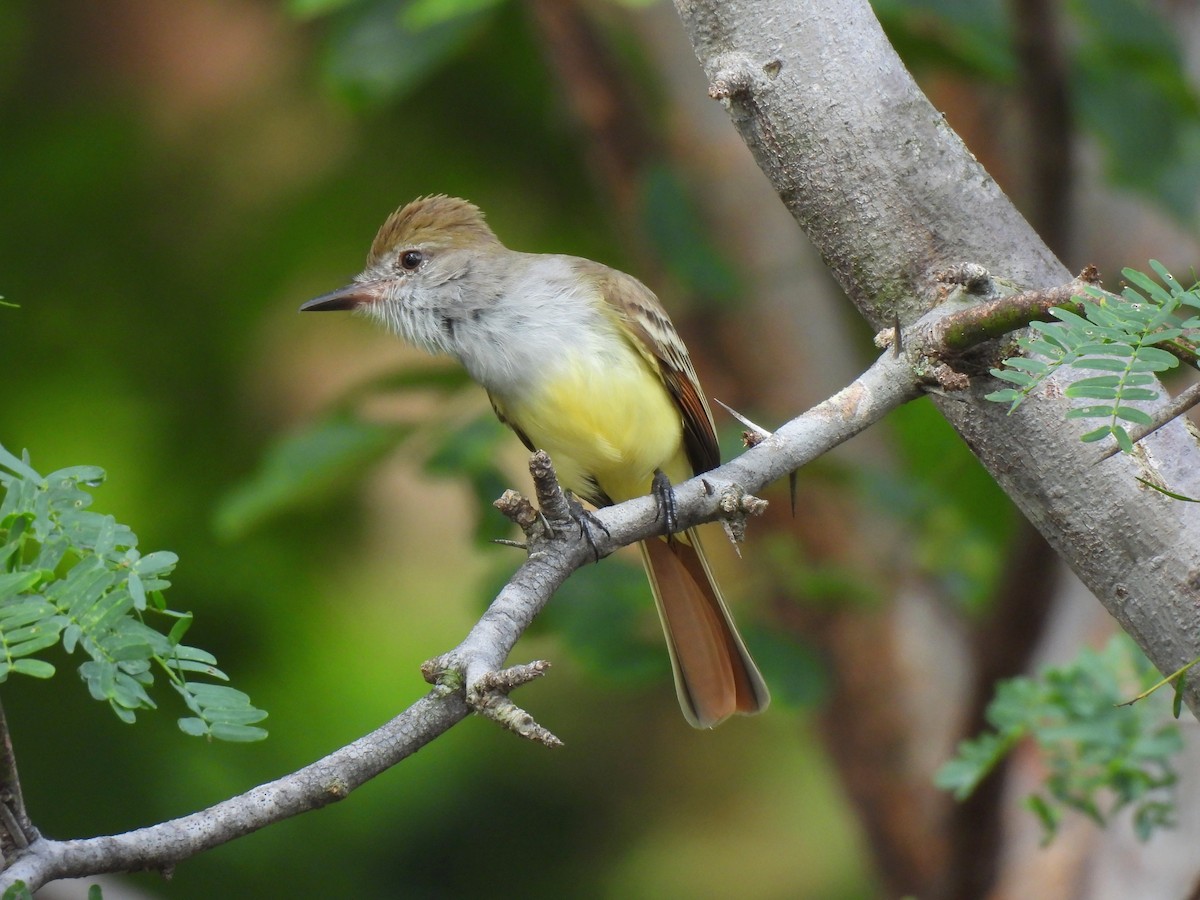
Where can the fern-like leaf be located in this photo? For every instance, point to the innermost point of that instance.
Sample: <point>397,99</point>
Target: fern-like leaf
<point>1131,339</point>
<point>73,576</point>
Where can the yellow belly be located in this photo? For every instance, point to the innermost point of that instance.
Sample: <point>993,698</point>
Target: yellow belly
<point>605,419</point>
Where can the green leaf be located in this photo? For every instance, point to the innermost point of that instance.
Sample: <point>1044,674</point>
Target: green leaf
<point>92,476</point>
<point>187,665</point>
<point>238,733</point>
<point>22,612</point>
<point>1048,815</point>
<point>1161,360</point>
<point>1081,391</point>
<point>136,590</point>
<point>14,583</point>
<point>1090,412</point>
<point>976,760</point>
<point>221,712</point>
<point>35,668</point>
<point>194,653</point>
<point>1147,284</point>
<point>1138,378</point>
<point>1171,494</point>
<point>1136,393</point>
<point>1102,363</point>
<point>1099,434</point>
<point>1005,395</point>
<point>303,466</point>
<point>1133,414</point>
<point>35,642</point>
<point>179,629</point>
<point>1024,363</point>
<point>375,56</point>
<point>1077,322</point>
<point>1019,378</point>
<point>1166,276</point>
<point>193,726</point>
<point>160,562</point>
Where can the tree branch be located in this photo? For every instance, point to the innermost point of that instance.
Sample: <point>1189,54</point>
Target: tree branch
<point>1003,315</point>
<point>16,828</point>
<point>471,674</point>
<point>325,781</point>
<point>1161,417</point>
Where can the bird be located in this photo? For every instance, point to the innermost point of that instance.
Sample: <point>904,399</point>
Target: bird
<point>579,360</point>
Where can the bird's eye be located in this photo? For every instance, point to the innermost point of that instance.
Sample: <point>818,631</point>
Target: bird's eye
<point>410,259</point>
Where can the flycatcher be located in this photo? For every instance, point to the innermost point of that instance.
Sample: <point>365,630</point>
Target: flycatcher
<point>581,361</point>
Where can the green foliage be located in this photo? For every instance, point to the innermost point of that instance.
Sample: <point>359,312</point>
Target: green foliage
<point>380,51</point>
<point>1126,79</point>
<point>1131,90</point>
<point>303,466</point>
<point>1100,756</point>
<point>959,521</point>
<point>19,890</point>
<point>675,229</point>
<point>604,615</point>
<point>1172,494</point>
<point>74,577</point>
<point>468,452</point>
<point>972,37</point>
<point>340,448</point>
<point>1121,337</point>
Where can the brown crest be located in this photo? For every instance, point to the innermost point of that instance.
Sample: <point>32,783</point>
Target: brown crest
<point>437,220</point>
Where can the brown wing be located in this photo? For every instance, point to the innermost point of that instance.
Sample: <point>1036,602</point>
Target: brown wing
<point>655,337</point>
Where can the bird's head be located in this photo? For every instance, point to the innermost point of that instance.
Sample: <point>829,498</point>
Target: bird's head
<point>424,256</point>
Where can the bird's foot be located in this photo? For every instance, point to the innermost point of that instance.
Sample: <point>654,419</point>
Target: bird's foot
<point>586,520</point>
<point>664,493</point>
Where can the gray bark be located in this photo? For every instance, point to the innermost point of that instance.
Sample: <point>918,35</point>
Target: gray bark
<point>890,196</point>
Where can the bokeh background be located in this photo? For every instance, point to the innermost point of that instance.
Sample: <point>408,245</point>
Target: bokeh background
<point>177,177</point>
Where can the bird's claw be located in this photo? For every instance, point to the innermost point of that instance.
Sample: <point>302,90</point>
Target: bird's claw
<point>664,493</point>
<point>586,520</point>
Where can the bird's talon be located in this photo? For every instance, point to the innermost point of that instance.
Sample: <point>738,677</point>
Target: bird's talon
<point>661,488</point>
<point>586,521</point>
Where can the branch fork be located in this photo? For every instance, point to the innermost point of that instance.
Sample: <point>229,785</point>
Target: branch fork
<point>487,694</point>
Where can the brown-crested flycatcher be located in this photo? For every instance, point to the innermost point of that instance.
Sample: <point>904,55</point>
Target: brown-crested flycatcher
<point>581,361</point>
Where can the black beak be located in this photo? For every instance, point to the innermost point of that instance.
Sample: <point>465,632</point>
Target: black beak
<point>349,297</point>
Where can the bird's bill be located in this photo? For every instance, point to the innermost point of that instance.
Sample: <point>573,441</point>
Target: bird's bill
<point>349,297</point>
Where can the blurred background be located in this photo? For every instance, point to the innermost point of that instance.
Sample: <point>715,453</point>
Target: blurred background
<point>177,177</point>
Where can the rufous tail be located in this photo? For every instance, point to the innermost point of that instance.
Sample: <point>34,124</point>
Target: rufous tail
<point>714,674</point>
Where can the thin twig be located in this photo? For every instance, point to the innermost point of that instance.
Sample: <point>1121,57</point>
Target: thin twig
<point>1173,410</point>
<point>12,803</point>
<point>973,326</point>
